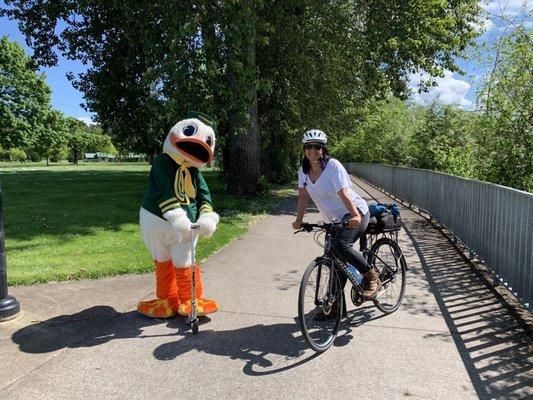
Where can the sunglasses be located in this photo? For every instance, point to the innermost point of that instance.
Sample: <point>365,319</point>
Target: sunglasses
<point>313,146</point>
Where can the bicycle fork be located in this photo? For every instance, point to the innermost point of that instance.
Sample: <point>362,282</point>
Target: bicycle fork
<point>320,301</point>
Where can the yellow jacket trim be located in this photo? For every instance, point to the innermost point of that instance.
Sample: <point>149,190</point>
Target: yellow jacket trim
<point>205,208</point>
<point>170,207</point>
<point>166,202</point>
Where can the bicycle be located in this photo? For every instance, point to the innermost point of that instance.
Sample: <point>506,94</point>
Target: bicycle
<point>321,302</point>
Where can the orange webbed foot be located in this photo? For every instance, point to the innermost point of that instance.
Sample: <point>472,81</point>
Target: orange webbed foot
<point>158,308</point>
<point>203,307</point>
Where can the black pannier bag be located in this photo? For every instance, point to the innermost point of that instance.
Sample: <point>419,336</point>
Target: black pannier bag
<point>387,218</point>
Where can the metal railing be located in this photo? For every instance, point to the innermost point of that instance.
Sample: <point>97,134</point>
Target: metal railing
<point>493,221</point>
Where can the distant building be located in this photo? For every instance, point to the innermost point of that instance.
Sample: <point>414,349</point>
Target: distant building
<point>133,157</point>
<point>99,156</point>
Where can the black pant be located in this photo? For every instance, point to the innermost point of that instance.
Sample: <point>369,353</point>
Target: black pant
<point>345,239</point>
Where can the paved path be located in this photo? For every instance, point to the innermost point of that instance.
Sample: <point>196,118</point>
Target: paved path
<point>452,339</point>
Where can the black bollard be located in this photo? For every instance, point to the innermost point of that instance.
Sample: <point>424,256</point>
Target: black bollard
<point>9,306</point>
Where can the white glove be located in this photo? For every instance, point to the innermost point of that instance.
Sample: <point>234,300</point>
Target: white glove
<point>207,223</point>
<point>181,225</point>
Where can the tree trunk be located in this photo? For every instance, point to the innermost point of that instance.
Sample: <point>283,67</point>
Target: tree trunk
<point>242,162</point>
<point>243,167</point>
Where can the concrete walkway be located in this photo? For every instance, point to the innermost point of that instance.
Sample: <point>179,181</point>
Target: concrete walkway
<point>451,339</point>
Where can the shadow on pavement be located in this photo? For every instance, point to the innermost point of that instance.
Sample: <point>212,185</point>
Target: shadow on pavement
<point>91,327</point>
<point>495,349</point>
<point>266,349</point>
<point>354,319</point>
<point>262,347</point>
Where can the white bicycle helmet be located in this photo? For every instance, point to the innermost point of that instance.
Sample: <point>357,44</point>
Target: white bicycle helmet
<point>313,136</point>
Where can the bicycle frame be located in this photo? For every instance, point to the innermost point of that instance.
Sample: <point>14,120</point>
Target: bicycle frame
<point>337,264</point>
<point>329,257</point>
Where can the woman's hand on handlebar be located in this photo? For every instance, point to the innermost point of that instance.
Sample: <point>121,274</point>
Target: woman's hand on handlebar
<point>354,221</point>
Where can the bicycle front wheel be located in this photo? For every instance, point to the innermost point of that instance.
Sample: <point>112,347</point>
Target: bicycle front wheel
<point>320,305</point>
<point>388,259</point>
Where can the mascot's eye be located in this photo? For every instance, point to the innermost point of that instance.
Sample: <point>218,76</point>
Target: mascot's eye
<point>209,141</point>
<point>189,130</point>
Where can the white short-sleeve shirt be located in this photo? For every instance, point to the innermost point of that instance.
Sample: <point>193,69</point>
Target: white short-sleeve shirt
<point>324,192</point>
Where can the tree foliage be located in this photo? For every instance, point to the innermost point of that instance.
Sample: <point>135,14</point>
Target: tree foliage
<point>382,135</point>
<point>486,146</point>
<point>24,97</point>
<point>30,128</point>
<point>444,141</point>
<point>51,138</point>
<point>82,138</point>
<point>505,138</point>
<point>322,62</point>
<point>265,69</point>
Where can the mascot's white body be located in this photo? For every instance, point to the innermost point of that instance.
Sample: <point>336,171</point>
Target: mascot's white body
<point>178,195</point>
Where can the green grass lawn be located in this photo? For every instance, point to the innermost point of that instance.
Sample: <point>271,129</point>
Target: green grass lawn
<point>72,222</point>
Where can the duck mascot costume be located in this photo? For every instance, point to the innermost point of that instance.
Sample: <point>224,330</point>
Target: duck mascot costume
<point>176,196</point>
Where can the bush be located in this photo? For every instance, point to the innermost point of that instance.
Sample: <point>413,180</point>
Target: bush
<point>57,155</point>
<point>32,155</point>
<point>16,154</point>
<point>263,185</point>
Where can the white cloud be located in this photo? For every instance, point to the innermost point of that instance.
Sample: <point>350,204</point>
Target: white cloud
<point>449,90</point>
<point>87,120</point>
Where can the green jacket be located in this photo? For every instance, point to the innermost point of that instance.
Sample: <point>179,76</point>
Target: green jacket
<point>164,194</point>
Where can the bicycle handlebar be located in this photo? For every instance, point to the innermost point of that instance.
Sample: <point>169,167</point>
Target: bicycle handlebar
<point>308,227</point>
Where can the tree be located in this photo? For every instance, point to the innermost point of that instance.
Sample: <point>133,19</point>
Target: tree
<point>505,138</point>
<point>383,134</point>
<point>323,61</point>
<point>148,69</point>
<point>443,141</point>
<point>266,69</point>
<point>52,136</point>
<point>24,97</point>
<point>82,138</point>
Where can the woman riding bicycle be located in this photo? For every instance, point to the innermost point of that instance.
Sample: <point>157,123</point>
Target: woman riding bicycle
<point>326,181</point>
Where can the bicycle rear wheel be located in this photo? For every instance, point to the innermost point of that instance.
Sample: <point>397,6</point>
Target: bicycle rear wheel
<point>319,311</point>
<point>388,259</point>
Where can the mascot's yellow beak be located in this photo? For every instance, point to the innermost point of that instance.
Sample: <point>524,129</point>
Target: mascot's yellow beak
<point>194,149</point>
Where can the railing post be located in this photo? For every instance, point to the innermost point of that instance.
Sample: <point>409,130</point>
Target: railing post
<point>9,306</point>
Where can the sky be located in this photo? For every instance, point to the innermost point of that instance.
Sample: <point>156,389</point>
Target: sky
<point>452,88</point>
<point>501,16</point>
<point>64,97</point>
